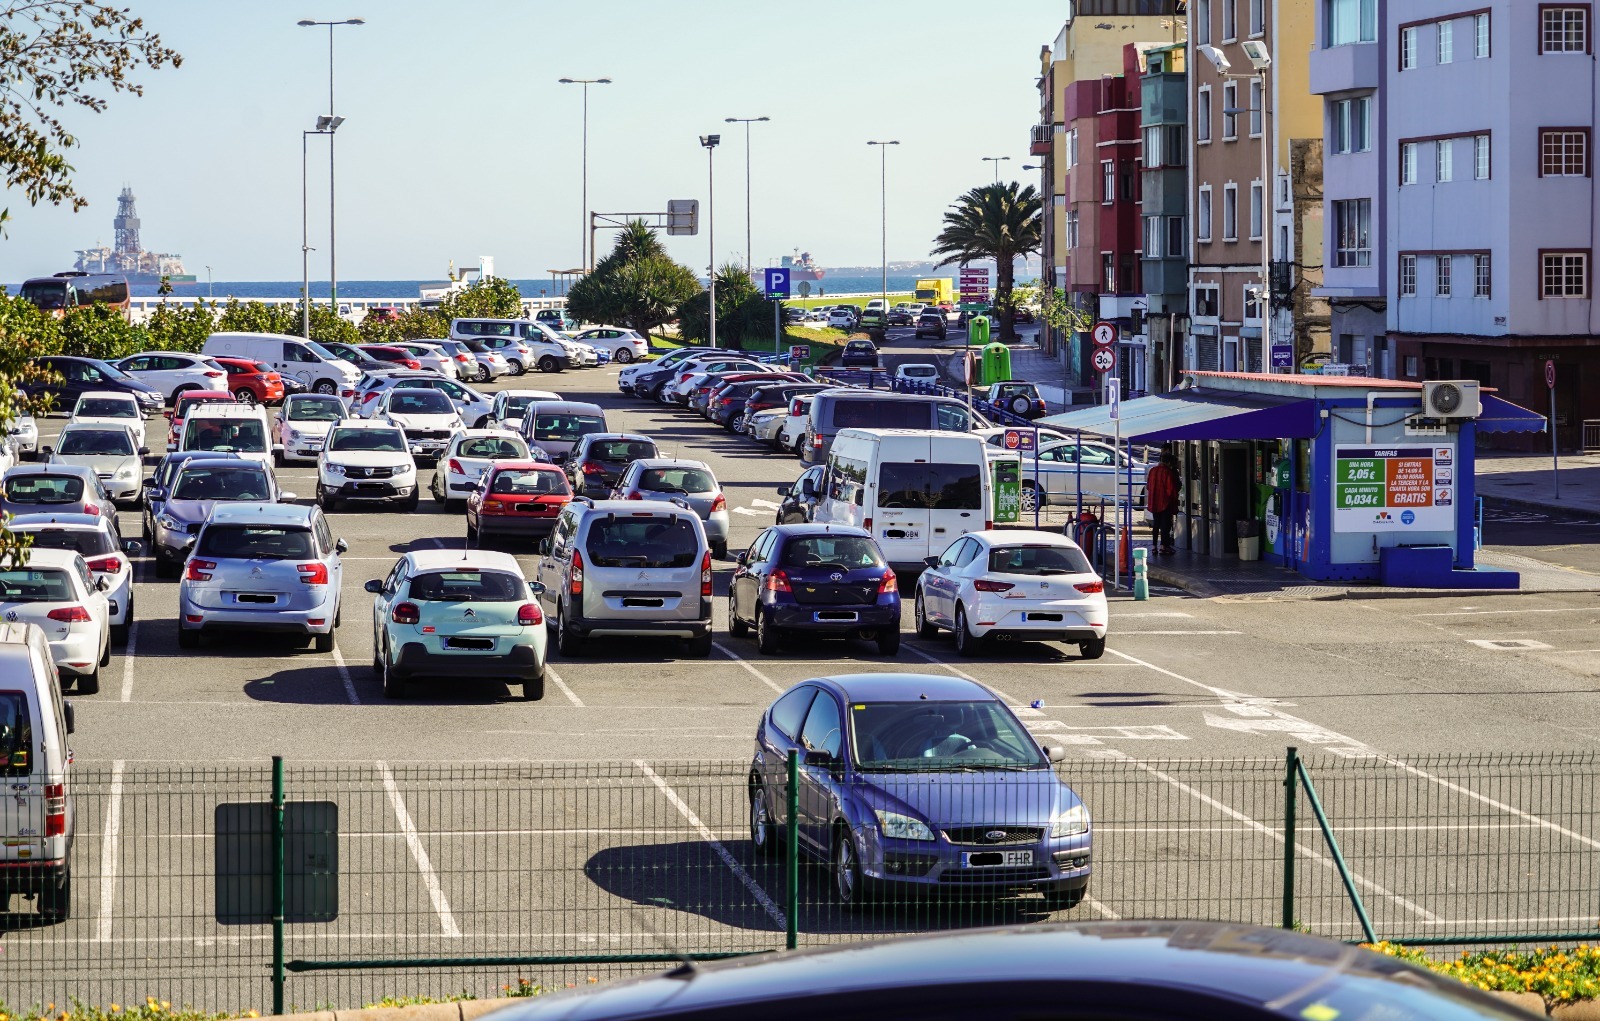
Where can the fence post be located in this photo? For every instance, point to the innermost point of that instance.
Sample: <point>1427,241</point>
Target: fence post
<point>1291,777</point>
<point>277,884</point>
<point>791,853</point>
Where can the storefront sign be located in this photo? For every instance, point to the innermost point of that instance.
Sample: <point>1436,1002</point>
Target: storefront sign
<point>1394,489</point>
<point>1282,356</point>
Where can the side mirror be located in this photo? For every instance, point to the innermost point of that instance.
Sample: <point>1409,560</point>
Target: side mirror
<point>931,561</point>
<point>149,483</point>
<point>144,451</point>
<point>102,583</point>
<point>288,497</point>
<point>167,415</point>
<point>544,547</point>
<point>132,547</point>
<point>742,556</point>
<point>374,586</point>
<point>818,757</point>
<point>340,546</point>
<point>70,716</point>
<point>1055,752</point>
<point>157,494</point>
<point>783,490</point>
<point>536,588</point>
<point>46,451</point>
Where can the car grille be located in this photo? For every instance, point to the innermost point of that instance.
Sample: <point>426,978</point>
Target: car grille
<point>828,594</point>
<point>993,876</point>
<point>104,476</point>
<point>427,434</point>
<point>369,473</point>
<point>980,834</point>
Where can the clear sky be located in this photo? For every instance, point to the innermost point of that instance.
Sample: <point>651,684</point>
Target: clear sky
<point>459,142</point>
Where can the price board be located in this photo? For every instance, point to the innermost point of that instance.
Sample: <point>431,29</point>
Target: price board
<point>1394,489</point>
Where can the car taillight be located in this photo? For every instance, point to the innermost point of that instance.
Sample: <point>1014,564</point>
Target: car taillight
<point>411,363</point>
<point>214,374</point>
<point>55,809</point>
<point>816,441</point>
<point>1090,587</point>
<point>725,400</point>
<point>634,494</point>
<point>529,615</point>
<point>867,524</point>
<point>69,615</point>
<point>720,503</point>
<point>197,570</point>
<point>91,508</point>
<point>106,565</point>
<point>985,585</point>
<point>705,575</point>
<point>987,525</point>
<point>777,581</point>
<point>347,394</point>
<point>455,467</point>
<point>590,468</point>
<point>889,584</point>
<point>369,396</point>
<point>575,578</point>
<point>492,506</point>
<point>405,613</point>
<point>462,358</point>
<point>312,574</point>
<point>794,408</point>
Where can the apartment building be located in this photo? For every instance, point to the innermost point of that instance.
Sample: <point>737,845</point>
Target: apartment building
<point>1164,189</point>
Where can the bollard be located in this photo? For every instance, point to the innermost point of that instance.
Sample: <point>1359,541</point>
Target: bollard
<point>1141,574</point>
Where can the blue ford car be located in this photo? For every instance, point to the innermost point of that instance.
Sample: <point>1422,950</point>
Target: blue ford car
<point>827,580</point>
<point>918,783</point>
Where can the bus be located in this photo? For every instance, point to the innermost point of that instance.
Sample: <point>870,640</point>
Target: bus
<point>55,294</point>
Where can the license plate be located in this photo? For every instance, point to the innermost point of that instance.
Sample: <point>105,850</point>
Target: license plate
<point>911,533</point>
<point>313,444</point>
<point>995,859</point>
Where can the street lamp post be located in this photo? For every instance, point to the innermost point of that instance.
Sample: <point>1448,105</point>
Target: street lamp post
<point>305,240</point>
<point>710,142</point>
<point>585,256</point>
<point>209,292</point>
<point>746,121</point>
<point>332,123</point>
<point>883,173</point>
<point>997,160</point>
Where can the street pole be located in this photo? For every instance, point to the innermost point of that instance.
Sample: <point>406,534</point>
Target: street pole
<point>710,143</point>
<point>210,293</point>
<point>997,160</point>
<point>585,234</point>
<point>332,123</point>
<point>1555,457</point>
<point>305,243</point>
<point>883,172</point>
<point>749,264</point>
<point>1267,203</point>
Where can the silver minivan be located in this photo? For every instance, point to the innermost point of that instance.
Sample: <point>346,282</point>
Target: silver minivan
<point>556,426</point>
<point>627,567</point>
<point>38,817</point>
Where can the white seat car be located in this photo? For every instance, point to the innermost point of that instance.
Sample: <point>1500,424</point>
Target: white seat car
<point>1065,465</point>
<point>110,450</point>
<point>625,345</point>
<point>508,407</point>
<point>54,589</point>
<point>765,425</point>
<point>23,432</point>
<point>921,372</point>
<point>105,553</point>
<point>472,406</point>
<point>468,455</point>
<point>432,359</point>
<point>842,319</point>
<point>366,462</point>
<point>173,372</point>
<point>1004,585</point>
<point>794,426</point>
<point>105,406</point>
<point>304,422</point>
<point>427,417</point>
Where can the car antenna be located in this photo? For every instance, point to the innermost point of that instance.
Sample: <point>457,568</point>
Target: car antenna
<point>687,968</point>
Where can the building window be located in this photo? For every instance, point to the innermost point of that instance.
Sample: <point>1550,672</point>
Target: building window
<point>1441,282</point>
<point>1257,17</point>
<point>1408,163</point>
<point>1411,366</point>
<point>1564,275</point>
<point>1563,152</point>
<point>1408,276</point>
<point>1283,190</point>
<point>1152,237</point>
<point>1230,21</point>
<point>1480,275</point>
<point>1256,213</point>
<point>1200,22</point>
<point>1257,107</point>
<point>1252,302</point>
<point>1108,182</point>
<point>1072,148</point>
<point>1205,302</point>
<point>1153,156</point>
<point>1447,41</point>
<point>1351,21</point>
<point>1072,229</point>
<point>1563,29</point>
<point>1444,160</point>
<point>1230,212</point>
<point>1352,125</point>
<point>1230,115</point>
<point>1230,354</point>
<point>1202,115</point>
<point>1108,272</point>
<point>1177,242</point>
<point>1480,157</point>
<point>1353,228</point>
<point>1480,36</point>
<point>1202,223</point>
<point>1408,49</point>
<point>1127,182</point>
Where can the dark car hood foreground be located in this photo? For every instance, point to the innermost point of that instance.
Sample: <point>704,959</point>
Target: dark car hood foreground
<point>1125,968</point>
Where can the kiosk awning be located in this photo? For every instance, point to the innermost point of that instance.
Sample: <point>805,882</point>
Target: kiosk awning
<point>1198,414</point>
<point>1497,415</point>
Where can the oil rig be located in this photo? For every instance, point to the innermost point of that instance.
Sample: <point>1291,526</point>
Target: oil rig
<point>128,256</point>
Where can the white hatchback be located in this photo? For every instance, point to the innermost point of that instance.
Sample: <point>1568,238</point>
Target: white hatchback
<point>106,554</point>
<point>54,589</point>
<point>304,423</point>
<point>625,345</point>
<point>468,455</point>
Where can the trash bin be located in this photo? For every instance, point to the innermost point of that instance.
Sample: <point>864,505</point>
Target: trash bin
<point>1248,532</point>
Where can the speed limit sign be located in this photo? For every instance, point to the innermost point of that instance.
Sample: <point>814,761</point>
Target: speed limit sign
<point>1105,334</point>
<point>1105,359</point>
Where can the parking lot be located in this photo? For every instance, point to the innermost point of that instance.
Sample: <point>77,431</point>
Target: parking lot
<point>610,817</point>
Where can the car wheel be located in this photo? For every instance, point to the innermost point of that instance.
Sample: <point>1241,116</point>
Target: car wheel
<point>533,690</point>
<point>377,664</point>
<point>165,569</point>
<point>699,647</point>
<point>323,643</point>
<point>1021,405</point>
<point>849,885</point>
<point>1063,898</point>
<point>105,654</point>
<point>119,632</point>
<point>245,396</point>
<point>55,899</point>
<point>719,550</point>
<point>394,686</point>
<point>736,627</point>
<point>624,355</point>
<point>326,386</point>
<point>277,459</point>
<point>1030,497</point>
<point>474,537</point>
<point>967,643</point>
<point>173,400</point>
<point>766,634</point>
<point>889,641</point>
<point>89,684</point>
<point>1094,648</point>
<point>516,369</point>
<point>763,835</point>
<point>568,642</point>
<point>188,638</point>
<point>919,613</point>
<point>483,373</point>
<point>411,501</point>
<point>549,364</point>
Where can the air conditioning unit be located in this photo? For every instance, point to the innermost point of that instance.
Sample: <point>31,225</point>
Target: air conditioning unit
<point>1451,400</point>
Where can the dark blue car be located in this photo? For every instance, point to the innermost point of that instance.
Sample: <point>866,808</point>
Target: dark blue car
<point>919,783</point>
<point>825,580</point>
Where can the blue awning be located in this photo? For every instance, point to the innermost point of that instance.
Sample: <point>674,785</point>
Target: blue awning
<point>1497,415</point>
<point>1198,414</point>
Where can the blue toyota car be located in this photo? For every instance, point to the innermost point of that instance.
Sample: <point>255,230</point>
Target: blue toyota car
<point>821,580</point>
<point>918,783</point>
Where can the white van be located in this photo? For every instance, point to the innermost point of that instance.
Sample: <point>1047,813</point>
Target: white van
<point>240,429</point>
<point>319,369</point>
<point>37,818</point>
<point>914,490</point>
<point>545,350</point>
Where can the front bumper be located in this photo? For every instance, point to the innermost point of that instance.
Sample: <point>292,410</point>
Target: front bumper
<point>372,489</point>
<point>121,490</point>
<point>520,662</point>
<point>1063,863</point>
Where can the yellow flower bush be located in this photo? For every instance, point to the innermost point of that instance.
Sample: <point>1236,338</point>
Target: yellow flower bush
<point>1559,975</point>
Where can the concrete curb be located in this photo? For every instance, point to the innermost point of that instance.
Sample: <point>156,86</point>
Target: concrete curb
<point>1206,590</point>
<point>1522,503</point>
<point>460,1010</point>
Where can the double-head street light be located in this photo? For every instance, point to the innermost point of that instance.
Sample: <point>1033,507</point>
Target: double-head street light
<point>585,256</point>
<point>996,160</point>
<point>711,142</point>
<point>883,172</point>
<point>326,126</point>
<point>746,121</point>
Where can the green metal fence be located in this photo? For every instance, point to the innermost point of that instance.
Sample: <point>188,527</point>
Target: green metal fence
<point>468,878</point>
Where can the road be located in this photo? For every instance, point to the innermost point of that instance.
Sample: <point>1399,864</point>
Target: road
<point>611,815</point>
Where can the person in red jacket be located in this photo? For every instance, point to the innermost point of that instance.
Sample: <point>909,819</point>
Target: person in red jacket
<point>1161,497</point>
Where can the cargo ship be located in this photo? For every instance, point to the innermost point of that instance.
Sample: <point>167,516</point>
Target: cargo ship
<point>801,266</point>
<point>127,256</point>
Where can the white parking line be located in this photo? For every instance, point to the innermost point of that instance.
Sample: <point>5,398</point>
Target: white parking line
<point>1477,613</point>
<point>752,671</point>
<point>773,911</point>
<point>555,678</point>
<point>419,854</point>
<point>110,848</point>
<point>344,675</point>
<point>1125,616</point>
<point>1139,634</point>
<point>128,653</point>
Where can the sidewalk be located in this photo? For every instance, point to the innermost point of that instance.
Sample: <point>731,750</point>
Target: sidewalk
<point>1526,481</point>
<point>1028,362</point>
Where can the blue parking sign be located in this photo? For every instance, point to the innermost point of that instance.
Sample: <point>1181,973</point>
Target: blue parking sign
<point>777,282</point>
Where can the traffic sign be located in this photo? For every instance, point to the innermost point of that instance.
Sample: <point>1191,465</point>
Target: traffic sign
<point>1105,358</point>
<point>1105,334</point>
<point>799,352</point>
<point>1550,374</point>
<point>1020,439</point>
<point>1114,397</point>
<point>777,282</point>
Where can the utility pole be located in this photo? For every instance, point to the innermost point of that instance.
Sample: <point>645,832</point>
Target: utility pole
<point>883,173</point>
<point>749,265</point>
<point>710,142</point>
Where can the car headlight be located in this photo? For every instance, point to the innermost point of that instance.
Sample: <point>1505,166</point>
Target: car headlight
<point>169,522</point>
<point>333,469</point>
<point>403,468</point>
<point>126,473</point>
<point>1070,823</point>
<point>902,827</point>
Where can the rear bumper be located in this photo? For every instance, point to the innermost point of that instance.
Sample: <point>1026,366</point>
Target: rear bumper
<point>834,619</point>
<point>24,874</point>
<point>1040,634</point>
<point>267,619</point>
<point>520,663</point>
<point>591,626</point>
<point>82,647</point>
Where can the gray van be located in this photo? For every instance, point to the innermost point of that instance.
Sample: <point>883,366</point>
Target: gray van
<point>557,426</point>
<point>856,408</point>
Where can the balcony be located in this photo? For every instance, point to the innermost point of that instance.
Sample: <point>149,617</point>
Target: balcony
<point>1039,139</point>
<point>1349,68</point>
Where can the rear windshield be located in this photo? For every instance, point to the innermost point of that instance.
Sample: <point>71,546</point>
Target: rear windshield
<point>879,414</point>
<point>90,542</point>
<point>846,552</point>
<point>257,542</point>
<point>930,486</point>
<point>621,450</point>
<point>565,426</point>
<point>655,541</point>
<point>185,403</point>
<point>225,435</point>
<point>41,489</point>
<point>492,447</point>
<point>468,587</point>
<point>677,480</point>
<point>16,734</point>
<point>27,585</point>
<point>387,440</point>
<point>106,407</point>
<point>96,441</point>
<point>421,402</point>
<point>1039,560</point>
<point>315,411</point>
<point>239,483</point>
<point>529,482</point>
<point>515,406</point>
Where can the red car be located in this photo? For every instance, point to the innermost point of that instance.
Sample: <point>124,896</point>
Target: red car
<point>517,498</point>
<point>253,382</point>
<point>190,399</point>
<point>387,353</point>
<point>383,313</point>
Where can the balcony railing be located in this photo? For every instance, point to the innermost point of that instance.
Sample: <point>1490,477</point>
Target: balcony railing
<point>1039,139</point>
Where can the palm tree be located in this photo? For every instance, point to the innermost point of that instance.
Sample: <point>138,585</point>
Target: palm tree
<point>994,221</point>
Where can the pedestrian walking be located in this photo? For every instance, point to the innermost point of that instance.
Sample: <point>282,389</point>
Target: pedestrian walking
<point>1161,497</point>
